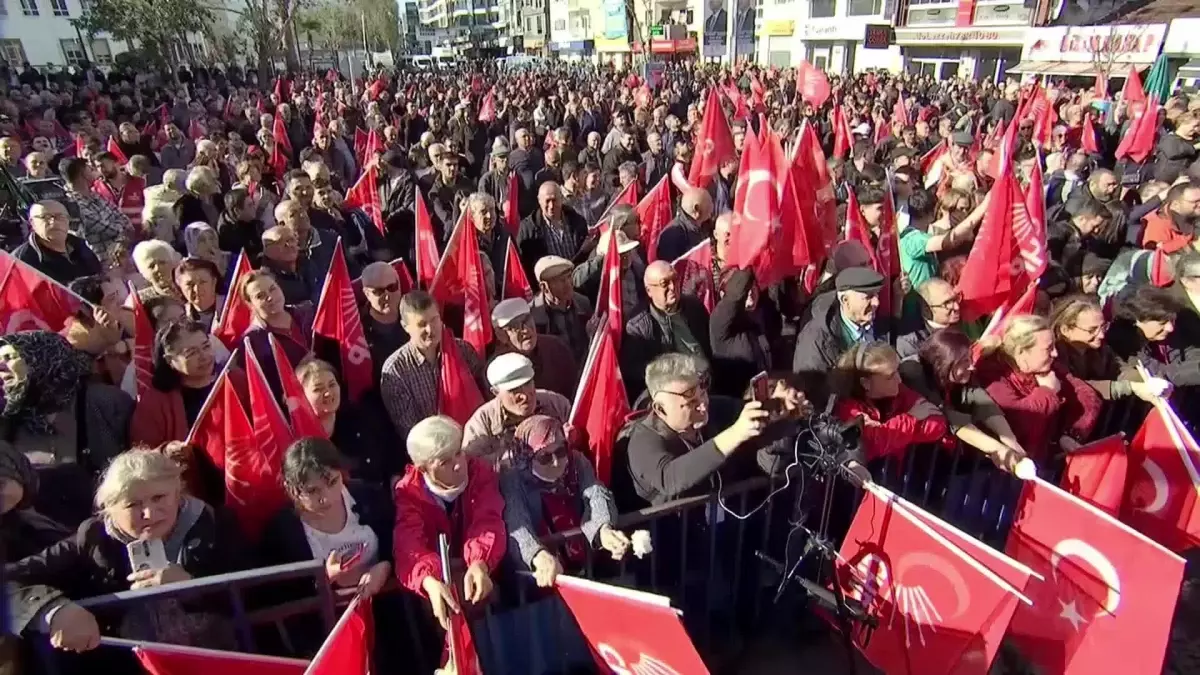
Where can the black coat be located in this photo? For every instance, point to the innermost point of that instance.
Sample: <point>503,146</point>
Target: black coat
<point>821,342</point>
<point>364,433</point>
<point>531,238</point>
<point>645,341</point>
<point>739,345</point>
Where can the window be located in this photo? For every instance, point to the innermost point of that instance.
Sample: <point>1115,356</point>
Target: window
<point>864,7</point>
<point>821,9</point>
<point>60,7</point>
<point>102,52</point>
<point>12,52</point>
<point>29,7</point>
<point>539,30</point>
<point>3,8</point>
<point>73,51</point>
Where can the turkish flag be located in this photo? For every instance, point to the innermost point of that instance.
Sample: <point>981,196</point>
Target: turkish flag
<point>714,145</point>
<point>31,301</point>
<point>516,284</point>
<point>939,611</point>
<point>654,213</point>
<point>348,647</point>
<point>811,84</point>
<point>459,281</point>
<point>512,205</point>
<point>487,108</point>
<point>305,422</point>
<point>799,212</point>
<point>856,229</point>
<point>254,452</point>
<point>810,170</point>
<point>115,150</point>
<point>1133,92</point>
<point>166,659</point>
<point>1088,138</point>
<point>235,316</point>
<point>1161,492</point>
<point>337,319</point>
<point>993,268</point>
<point>1030,233</point>
<point>601,403</point>
<point>1096,473</point>
<point>610,301</point>
<point>630,631</point>
<point>143,343</point>
<point>364,194</point>
<point>1138,142</point>
<point>695,272</point>
<point>458,395</point>
<point>426,245</point>
<point>760,241</point>
<point>279,134</point>
<point>1105,593</point>
<point>208,431</point>
<point>931,168</point>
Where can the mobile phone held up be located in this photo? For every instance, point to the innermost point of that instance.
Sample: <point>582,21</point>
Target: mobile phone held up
<point>146,554</point>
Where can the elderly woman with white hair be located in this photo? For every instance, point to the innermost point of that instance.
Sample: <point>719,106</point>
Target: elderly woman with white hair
<point>156,261</point>
<point>147,533</point>
<point>198,203</point>
<point>445,492</point>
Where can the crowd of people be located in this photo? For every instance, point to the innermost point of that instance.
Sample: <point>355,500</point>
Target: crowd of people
<point>155,190</point>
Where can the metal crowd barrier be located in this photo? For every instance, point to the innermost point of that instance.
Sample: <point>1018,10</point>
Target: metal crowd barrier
<point>704,562</point>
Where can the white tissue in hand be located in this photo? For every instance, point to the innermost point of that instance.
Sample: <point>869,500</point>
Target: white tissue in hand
<point>1026,469</point>
<point>1158,385</point>
<point>641,543</point>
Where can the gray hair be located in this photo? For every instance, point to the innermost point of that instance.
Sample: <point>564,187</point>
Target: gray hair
<point>152,247</point>
<point>200,178</point>
<point>481,200</point>
<point>140,465</point>
<point>432,439</point>
<point>672,367</point>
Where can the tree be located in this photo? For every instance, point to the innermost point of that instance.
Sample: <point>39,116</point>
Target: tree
<point>152,25</point>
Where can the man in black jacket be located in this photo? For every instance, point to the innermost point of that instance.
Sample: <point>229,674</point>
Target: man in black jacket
<point>671,322</point>
<point>839,319</point>
<point>54,251</point>
<point>689,228</point>
<point>550,230</point>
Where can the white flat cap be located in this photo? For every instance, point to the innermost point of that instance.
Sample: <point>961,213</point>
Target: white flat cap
<point>551,266</point>
<point>509,310</point>
<point>509,371</point>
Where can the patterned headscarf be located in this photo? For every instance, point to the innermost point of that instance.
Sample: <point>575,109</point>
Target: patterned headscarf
<point>54,370</point>
<point>537,434</point>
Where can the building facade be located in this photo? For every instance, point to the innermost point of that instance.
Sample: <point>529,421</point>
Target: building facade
<point>978,40</point>
<point>535,26</point>
<point>830,34</point>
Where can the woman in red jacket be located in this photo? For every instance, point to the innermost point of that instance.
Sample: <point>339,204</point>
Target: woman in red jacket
<point>446,492</point>
<point>867,381</point>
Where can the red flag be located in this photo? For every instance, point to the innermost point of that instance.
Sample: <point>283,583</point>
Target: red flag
<point>888,252</point>
<point>235,313</point>
<point>208,431</point>
<point>196,130</point>
<point>900,113</point>
<point>760,240</point>
<point>757,92</point>
<point>842,136</point>
<point>512,209</point>
<point>811,84</point>
<point>937,607</point>
<point>337,319</point>
<point>364,194</point>
<point>714,145</point>
<point>1161,273</point>
<point>406,280</point>
<point>143,343</point>
<point>165,659</point>
<point>278,162</point>
<point>610,300</point>
<point>459,280</point>
<point>994,330</point>
<point>695,272</point>
<point>989,277</point>
<point>115,150</point>
<point>601,403</point>
<point>516,285</point>
<point>487,108</point>
<point>1101,86</point>
<point>654,213</point>
<point>1096,473</point>
<point>856,229</point>
<point>427,250</point>
<point>1138,142</point>
<point>810,163</point>
<point>279,134</point>
<point>305,422</point>
<point>1106,592</point>
<point>1161,492</point>
<point>360,143</point>
<point>30,301</point>
<point>463,655</point>
<point>348,647</point>
<point>931,168</point>
<point>630,631</point>
<point>800,212</point>
<point>1133,92</point>
<point>373,146</point>
<point>458,395</point>
<point>254,451</point>
<point>1088,137</point>
<point>1030,232</point>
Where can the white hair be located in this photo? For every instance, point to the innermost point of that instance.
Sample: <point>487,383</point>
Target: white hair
<point>481,200</point>
<point>432,439</point>
<point>672,367</point>
<point>201,177</point>
<point>144,250</point>
<point>140,465</point>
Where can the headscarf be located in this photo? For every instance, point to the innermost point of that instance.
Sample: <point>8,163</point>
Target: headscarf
<point>191,238</point>
<point>54,370</point>
<point>535,435</point>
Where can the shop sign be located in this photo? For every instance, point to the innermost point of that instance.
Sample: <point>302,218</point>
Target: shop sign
<point>960,36</point>
<point>1136,43</point>
<point>831,29</point>
<point>779,27</point>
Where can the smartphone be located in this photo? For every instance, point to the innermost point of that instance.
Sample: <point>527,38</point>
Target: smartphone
<point>759,388</point>
<point>352,559</point>
<point>147,554</point>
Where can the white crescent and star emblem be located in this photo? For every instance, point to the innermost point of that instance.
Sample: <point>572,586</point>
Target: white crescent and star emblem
<point>1158,478</point>
<point>1104,569</point>
<point>23,319</point>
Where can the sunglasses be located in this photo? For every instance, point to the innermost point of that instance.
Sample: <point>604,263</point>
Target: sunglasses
<point>547,458</point>
<point>390,288</point>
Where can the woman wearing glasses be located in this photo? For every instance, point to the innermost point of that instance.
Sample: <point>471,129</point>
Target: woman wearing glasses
<point>184,372</point>
<point>1079,339</point>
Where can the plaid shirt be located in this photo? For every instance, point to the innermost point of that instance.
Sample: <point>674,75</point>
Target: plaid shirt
<point>410,383</point>
<point>101,225</point>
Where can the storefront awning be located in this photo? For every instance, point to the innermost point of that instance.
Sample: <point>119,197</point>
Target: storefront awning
<point>1060,68</point>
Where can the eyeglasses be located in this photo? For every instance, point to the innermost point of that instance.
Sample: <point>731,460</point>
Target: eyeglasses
<point>52,217</point>
<point>952,301</point>
<point>547,458</point>
<point>390,288</point>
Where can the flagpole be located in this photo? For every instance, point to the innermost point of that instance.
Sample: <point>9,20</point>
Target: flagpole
<point>593,348</point>
<point>167,648</point>
<point>208,400</point>
<point>611,204</point>
<point>444,556</point>
<point>341,622</point>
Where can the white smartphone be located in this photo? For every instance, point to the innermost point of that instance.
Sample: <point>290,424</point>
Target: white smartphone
<point>147,554</point>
